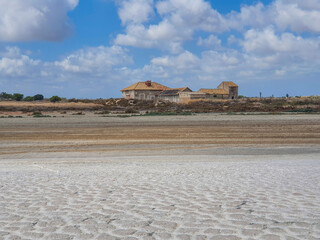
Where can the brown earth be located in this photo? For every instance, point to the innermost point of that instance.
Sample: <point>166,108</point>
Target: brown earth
<point>159,133</point>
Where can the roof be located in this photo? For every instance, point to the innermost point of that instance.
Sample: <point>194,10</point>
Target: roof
<point>170,92</point>
<point>230,84</point>
<point>143,86</point>
<point>184,89</point>
<point>214,91</point>
<point>193,93</point>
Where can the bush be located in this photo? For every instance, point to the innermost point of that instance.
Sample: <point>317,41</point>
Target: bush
<point>17,96</point>
<point>28,99</point>
<point>102,112</point>
<point>37,113</point>
<point>55,99</point>
<point>6,96</point>
<point>38,97</point>
<point>131,110</point>
<point>78,113</point>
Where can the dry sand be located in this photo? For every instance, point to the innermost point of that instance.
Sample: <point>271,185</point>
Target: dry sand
<point>191,177</point>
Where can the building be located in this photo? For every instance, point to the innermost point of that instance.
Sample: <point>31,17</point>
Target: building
<point>231,88</point>
<point>151,90</point>
<point>186,97</point>
<point>215,93</point>
<point>173,94</point>
<point>143,90</point>
<point>226,90</point>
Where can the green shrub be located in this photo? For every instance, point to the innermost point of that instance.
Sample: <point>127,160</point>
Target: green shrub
<point>78,113</point>
<point>167,113</point>
<point>103,112</point>
<point>41,116</point>
<point>38,97</point>
<point>131,110</point>
<point>28,99</point>
<point>37,113</point>
<point>17,96</point>
<point>55,99</point>
<point>6,96</point>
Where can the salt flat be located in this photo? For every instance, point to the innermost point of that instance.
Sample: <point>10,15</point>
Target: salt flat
<point>142,198</point>
<point>244,189</point>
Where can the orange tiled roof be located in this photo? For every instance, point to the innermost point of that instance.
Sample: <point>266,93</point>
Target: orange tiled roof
<point>143,86</point>
<point>214,91</point>
<point>231,84</point>
<point>181,89</point>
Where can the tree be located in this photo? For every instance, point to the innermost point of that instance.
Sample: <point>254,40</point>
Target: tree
<point>55,99</point>
<point>5,96</point>
<point>38,97</point>
<point>17,96</point>
<point>28,99</point>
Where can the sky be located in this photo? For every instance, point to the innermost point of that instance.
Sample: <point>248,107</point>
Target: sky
<point>95,48</point>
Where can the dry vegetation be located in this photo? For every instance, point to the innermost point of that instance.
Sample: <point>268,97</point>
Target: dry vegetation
<point>301,104</point>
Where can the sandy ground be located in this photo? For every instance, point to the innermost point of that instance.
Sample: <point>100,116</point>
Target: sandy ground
<point>178,177</point>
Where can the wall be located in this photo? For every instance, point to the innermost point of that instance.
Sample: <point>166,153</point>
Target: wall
<point>217,96</point>
<point>186,97</point>
<point>170,98</point>
<point>128,94</point>
<point>233,92</point>
<point>140,95</point>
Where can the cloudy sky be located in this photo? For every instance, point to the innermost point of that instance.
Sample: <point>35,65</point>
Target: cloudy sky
<point>92,49</point>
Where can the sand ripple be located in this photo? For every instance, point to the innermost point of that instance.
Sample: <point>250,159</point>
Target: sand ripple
<point>160,200</point>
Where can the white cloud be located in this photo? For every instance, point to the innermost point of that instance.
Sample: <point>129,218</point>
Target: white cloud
<point>135,11</point>
<point>99,63</point>
<point>298,16</point>
<point>163,36</point>
<point>29,20</point>
<point>95,60</point>
<point>15,64</point>
<point>185,60</point>
<point>254,16</point>
<point>286,45</point>
<point>211,42</point>
<point>179,20</point>
<point>194,14</point>
<point>11,52</point>
<point>295,15</point>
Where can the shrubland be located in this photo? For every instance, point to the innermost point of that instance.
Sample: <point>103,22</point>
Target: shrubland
<point>105,106</point>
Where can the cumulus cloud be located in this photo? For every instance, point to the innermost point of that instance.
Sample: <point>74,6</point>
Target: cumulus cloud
<point>82,71</point>
<point>194,14</point>
<point>266,42</point>
<point>95,60</point>
<point>179,20</point>
<point>294,15</point>
<point>185,60</point>
<point>135,11</point>
<point>298,16</point>
<point>211,42</point>
<point>29,20</point>
<point>15,64</point>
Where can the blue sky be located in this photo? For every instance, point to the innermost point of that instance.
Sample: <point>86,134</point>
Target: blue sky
<point>93,49</point>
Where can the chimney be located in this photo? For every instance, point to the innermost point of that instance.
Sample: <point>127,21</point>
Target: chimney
<point>148,83</point>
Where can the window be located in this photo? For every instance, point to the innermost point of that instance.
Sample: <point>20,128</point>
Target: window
<point>141,96</point>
